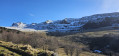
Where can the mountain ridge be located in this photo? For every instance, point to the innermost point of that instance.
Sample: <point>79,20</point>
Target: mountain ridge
<point>73,24</point>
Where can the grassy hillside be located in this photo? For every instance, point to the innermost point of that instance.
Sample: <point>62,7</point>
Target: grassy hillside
<point>10,49</point>
<point>78,44</point>
<point>24,43</point>
<point>6,52</point>
<point>104,39</point>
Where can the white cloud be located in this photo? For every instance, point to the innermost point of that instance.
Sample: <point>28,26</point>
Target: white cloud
<point>31,14</point>
<point>110,6</point>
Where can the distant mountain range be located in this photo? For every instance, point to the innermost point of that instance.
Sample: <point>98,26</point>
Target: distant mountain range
<point>73,24</point>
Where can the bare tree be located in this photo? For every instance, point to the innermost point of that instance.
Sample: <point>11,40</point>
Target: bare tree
<point>77,51</point>
<point>71,49</point>
<point>66,50</point>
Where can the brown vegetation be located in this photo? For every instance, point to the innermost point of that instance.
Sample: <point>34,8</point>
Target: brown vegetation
<point>72,45</point>
<point>37,40</point>
<point>21,50</point>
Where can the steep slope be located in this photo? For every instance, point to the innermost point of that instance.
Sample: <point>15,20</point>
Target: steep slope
<point>74,24</point>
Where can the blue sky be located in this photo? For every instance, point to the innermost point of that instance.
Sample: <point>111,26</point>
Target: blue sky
<point>30,11</point>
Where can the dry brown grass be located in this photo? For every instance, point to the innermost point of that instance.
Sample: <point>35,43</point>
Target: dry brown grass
<point>22,49</point>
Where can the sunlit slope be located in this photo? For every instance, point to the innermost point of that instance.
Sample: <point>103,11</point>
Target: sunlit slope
<point>10,49</point>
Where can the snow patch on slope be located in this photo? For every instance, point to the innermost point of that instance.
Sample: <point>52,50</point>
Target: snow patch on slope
<point>65,25</point>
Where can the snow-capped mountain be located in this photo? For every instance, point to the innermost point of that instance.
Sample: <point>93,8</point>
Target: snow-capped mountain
<point>19,25</point>
<point>73,24</point>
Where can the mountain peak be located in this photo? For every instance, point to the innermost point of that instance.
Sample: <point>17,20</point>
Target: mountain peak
<point>74,24</point>
<point>19,24</point>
